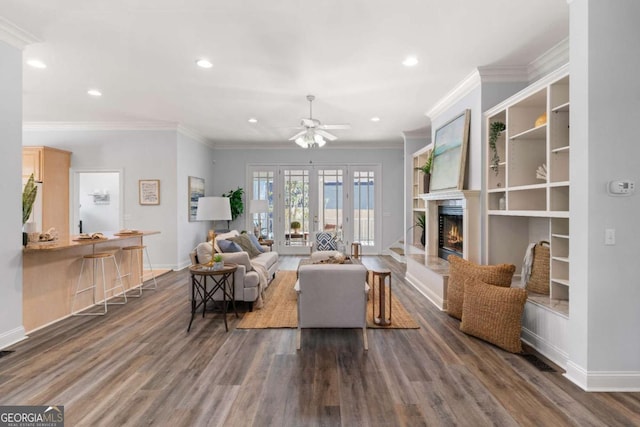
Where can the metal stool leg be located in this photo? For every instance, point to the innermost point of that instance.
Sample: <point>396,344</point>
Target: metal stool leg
<point>116,286</point>
<point>153,276</point>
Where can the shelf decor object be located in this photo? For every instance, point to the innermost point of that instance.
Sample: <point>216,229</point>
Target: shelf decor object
<point>450,154</point>
<point>149,191</point>
<point>494,132</point>
<point>196,190</point>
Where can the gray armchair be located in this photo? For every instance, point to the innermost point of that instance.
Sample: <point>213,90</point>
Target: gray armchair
<point>332,296</point>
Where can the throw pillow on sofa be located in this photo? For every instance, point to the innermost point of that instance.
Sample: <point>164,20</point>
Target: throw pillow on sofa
<point>493,313</point>
<point>227,246</point>
<point>461,269</point>
<point>326,241</point>
<point>255,242</point>
<point>246,244</point>
<point>203,252</point>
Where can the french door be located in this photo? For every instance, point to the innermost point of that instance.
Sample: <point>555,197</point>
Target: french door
<point>304,199</point>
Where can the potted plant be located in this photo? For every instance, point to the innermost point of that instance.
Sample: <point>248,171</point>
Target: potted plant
<point>237,205</point>
<point>426,170</point>
<point>494,132</point>
<point>421,223</point>
<point>295,226</point>
<point>28,198</point>
<point>218,263</point>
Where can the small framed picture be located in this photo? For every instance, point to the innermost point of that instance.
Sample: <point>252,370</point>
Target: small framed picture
<point>149,191</point>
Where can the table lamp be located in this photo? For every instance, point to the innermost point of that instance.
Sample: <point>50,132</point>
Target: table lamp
<point>258,207</point>
<point>213,209</point>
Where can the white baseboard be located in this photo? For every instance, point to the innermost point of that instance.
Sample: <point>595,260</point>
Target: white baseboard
<point>546,348</point>
<point>11,337</point>
<point>603,381</point>
<point>424,290</point>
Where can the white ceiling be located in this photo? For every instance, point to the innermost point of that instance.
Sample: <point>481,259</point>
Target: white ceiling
<point>267,56</point>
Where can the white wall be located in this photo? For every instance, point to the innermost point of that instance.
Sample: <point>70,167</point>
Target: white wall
<point>193,159</point>
<point>604,327</point>
<point>230,173</point>
<point>11,329</point>
<point>141,155</point>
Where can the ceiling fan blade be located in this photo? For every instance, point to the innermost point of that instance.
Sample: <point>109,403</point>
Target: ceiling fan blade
<point>297,135</point>
<point>326,134</point>
<point>336,126</point>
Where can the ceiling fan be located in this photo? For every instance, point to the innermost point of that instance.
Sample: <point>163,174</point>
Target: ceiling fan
<point>314,133</point>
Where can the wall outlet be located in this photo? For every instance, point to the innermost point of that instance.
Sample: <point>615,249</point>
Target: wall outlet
<point>610,236</point>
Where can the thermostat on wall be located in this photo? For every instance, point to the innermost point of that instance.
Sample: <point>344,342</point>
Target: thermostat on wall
<point>621,188</point>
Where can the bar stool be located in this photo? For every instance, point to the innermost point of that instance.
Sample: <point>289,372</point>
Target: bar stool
<point>379,281</point>
<point>98,260</point>
<point>137,251</point>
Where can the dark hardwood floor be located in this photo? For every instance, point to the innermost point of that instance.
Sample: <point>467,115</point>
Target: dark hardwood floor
<point>138,366</point>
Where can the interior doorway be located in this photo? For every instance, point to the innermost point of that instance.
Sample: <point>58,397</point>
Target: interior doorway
<point>97,201</point>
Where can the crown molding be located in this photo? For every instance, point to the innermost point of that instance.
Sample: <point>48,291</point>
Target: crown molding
<point>423,133</point>
<point>504,73</point>
<point>549,61</point>
<point>469,83</point>
<point>190,133</point>
<point>98,126</point>
<point>15,36</point>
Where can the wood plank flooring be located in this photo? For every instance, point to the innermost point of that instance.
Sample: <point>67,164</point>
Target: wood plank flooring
<point>138,366</point>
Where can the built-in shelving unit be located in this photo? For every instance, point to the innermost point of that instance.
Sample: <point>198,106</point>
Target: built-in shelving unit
<point>523,207</point>
<point>418,203</point>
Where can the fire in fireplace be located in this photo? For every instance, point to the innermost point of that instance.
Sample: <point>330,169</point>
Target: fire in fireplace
<point>450,238</point>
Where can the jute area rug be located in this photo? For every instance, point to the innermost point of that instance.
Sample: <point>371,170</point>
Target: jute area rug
<point>280,308</point>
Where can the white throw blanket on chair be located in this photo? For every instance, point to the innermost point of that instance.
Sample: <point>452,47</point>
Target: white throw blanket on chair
<point>263,274</point>
<point>527,263</point>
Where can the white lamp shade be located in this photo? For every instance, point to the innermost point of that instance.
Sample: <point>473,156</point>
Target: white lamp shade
<point>213,209</point>
<point>258,206</point>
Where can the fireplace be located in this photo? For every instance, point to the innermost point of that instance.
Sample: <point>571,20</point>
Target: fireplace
<point>450,236</point>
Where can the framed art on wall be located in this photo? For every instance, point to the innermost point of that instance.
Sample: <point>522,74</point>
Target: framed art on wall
<point>149,191</point>
<point>450,154</point>
<point>196,190</point>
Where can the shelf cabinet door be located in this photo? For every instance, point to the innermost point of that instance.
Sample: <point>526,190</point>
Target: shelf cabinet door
<point>32,163</point>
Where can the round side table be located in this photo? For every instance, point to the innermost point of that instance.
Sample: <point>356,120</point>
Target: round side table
<point>220,278</point>
<point>381,286</point>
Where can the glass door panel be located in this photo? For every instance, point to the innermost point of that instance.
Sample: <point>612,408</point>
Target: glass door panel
<point>365,228</point>
<point>296,207</point>
<point>262,189</point>
<point>330,201</point>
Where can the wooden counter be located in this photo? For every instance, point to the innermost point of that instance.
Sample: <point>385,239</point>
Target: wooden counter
<point>50,274</point>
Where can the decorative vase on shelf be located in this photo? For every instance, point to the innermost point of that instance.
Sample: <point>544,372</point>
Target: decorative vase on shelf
<point>425,182</point>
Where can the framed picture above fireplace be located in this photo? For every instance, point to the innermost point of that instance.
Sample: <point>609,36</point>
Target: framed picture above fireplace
<point>450,154</point>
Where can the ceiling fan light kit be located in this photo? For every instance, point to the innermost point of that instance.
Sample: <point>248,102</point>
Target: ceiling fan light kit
<point>314,134</point>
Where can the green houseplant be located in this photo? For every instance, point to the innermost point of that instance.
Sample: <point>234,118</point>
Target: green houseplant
<point>494,132</point>
<point>28,199</point>
<point>295,226</point>
<point>426,170</point>
<point>421,224</point>
<point>235,200</point>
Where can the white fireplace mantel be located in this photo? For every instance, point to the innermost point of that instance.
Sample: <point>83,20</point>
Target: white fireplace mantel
<point>430,276</point>
<point>469,200</point>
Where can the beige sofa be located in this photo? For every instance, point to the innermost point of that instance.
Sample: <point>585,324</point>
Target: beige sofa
<point>253,275</point>
<point>332,296</point>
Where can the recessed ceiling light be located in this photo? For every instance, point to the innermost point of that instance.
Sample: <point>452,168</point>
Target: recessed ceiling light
<point>36,63</point>
<point>204,63</point>
<point>253,120</point>
<point>94,92</point>
<point>410,61</point>
<point>375,119</point>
